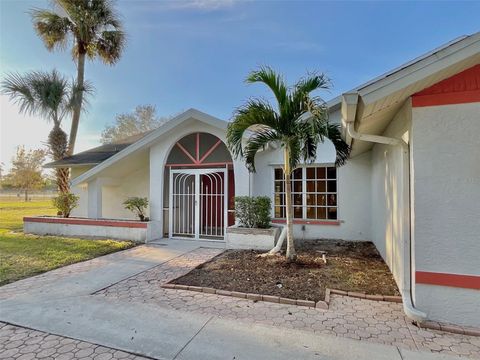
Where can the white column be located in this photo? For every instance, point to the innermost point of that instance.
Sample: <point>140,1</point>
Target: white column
<point>157,160</point>
<point>242,178</point>
<point>95,199</point>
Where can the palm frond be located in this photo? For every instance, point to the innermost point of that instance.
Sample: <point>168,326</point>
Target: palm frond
<point>45,94</point>
<point>295,150</point>
<point>312,82</point>
<point>19,90</point>
<point>52,28</point>
<point>75,99</point>
<point>255,115</point>
<point>258,141</point>
<point>110,45</point>
<point>274,81</point>
<point>342,149</point>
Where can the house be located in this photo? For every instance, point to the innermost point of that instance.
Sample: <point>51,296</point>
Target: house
<point>412,185</point>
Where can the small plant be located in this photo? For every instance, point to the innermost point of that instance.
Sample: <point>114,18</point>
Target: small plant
<point>253,212</point>
<point>65,203</point>
<point>137,205</point>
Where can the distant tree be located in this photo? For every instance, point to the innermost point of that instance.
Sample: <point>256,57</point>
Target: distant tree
<point>94,29</point>
<point>142,119</point>
<point>26,171</point>
<point>50,96</point>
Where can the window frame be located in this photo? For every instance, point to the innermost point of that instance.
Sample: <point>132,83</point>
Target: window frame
<point>304,218</point>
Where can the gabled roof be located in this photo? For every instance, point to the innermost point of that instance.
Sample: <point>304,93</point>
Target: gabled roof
<point>98,154</point>
<point>150,138</point>
<point>380,100</point>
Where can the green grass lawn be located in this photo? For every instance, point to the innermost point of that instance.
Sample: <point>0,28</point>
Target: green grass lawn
<point>27,255</point>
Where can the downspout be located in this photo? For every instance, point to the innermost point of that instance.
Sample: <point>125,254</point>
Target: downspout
<point>349,110</point>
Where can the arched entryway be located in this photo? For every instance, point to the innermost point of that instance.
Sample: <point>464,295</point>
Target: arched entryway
<point>200,188</point>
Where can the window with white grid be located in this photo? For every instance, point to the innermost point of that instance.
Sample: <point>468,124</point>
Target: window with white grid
<point>314,193</point>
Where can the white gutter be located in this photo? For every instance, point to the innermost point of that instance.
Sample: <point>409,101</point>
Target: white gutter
<point>349,107</point>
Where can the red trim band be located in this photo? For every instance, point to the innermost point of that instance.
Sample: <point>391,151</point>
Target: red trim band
<point>308,222</point>
<point>91,222</point>
<point>463,97</point>
<point>444,279</point>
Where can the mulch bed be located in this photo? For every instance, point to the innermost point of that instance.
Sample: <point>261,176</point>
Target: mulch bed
<point>351,266</point>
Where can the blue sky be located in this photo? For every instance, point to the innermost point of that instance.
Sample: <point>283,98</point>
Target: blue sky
<point>196,53</point>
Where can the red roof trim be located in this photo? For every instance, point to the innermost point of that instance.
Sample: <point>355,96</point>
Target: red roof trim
<point>461,88</point>
<point>90,222</point>
<point>444,279</point>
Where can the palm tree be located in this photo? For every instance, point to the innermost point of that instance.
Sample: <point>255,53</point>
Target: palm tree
<point>95,30</point>
<point>50,96</point>
<point>298,123</point>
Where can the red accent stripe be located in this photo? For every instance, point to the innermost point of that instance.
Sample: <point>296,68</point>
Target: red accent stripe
<point>308,222</point>
<point>92,222</point>
<point>444,279</point>
<point>464,97</point>
<point>200,165</point>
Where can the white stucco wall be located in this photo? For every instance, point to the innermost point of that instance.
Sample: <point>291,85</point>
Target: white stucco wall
<point>353,189</point>
<point>387,208</point>
<point>445,153</point>
<point>135,184</point>
<point>82,209</point>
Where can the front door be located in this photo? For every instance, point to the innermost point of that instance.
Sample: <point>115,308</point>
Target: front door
<point>197,204</point>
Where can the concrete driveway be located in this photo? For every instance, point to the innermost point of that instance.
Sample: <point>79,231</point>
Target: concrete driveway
<point>70,302</point>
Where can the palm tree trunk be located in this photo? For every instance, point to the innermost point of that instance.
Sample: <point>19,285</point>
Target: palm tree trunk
<point>78,107</point>
<point>26,195</point>
<point>63,180</point>
<point>291,254</point>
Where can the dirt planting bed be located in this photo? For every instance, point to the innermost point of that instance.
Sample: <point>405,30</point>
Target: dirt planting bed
<point>351,266</point>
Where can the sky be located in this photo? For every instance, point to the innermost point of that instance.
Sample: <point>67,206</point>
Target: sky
<point>196,53</point>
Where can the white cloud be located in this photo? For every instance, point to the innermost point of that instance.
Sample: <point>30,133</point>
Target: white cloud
<point>31,131</point>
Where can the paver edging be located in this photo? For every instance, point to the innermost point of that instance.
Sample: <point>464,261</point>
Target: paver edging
<point>451,328</point>
<point>362,295</point>
<point>322,305</point>
<point>242,295</point>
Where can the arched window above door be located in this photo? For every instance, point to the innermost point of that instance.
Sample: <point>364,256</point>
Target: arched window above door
<point>198,150</point>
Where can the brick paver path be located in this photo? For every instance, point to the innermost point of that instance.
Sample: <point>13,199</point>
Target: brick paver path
<point>367,320</point>
<point>26,344</point>
<point>376,321</point>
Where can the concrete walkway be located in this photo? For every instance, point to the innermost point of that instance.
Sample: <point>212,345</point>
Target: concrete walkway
<point>61,303</point>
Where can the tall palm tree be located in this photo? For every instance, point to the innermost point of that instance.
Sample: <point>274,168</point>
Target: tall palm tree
<point>95,30</point>
<point>50,96</point>
<point>298,123</point>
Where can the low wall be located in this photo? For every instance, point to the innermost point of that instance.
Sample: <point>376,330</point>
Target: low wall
<point>98,228</point>
<point>251,238</point>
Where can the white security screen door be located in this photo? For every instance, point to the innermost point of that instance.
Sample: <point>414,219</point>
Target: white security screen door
<point>198,204</point>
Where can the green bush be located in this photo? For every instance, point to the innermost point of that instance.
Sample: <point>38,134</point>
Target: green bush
<point>65,203</point>
<point>253,212</point>
<point>137,205</point>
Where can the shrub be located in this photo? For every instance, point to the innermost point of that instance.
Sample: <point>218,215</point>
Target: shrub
<point>137,205</point>
<point>65,203</point>
<point>253,212</point>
